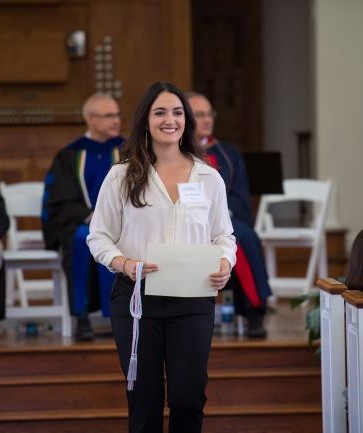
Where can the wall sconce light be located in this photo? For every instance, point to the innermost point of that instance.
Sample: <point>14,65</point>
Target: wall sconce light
<point>76,44</point>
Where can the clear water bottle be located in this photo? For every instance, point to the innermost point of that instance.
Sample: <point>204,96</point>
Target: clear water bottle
<point>240,327</point>
<point>227,316</point>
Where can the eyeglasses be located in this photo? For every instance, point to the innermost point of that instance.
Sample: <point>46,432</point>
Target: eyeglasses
<point>108,116</point>
<point>205,114</point>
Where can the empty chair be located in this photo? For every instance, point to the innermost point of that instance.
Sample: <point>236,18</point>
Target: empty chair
<point>25,251</point>
<point>24,199</point>
<point>314,194</point>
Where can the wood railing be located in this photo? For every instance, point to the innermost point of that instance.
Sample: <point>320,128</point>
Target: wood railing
<point>341,318</point>
<point>354,337</point>
<point>333,364</point>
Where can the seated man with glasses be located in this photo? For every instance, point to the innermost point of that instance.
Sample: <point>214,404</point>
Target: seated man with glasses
<point>249,280</point>
<point>72,185</point>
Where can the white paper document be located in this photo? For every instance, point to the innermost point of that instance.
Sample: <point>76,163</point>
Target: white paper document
<point>183,270</point>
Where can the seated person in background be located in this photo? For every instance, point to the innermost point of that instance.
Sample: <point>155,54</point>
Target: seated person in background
<point>71,189</point>
<point>249,280</point>
<point>4,226</point>
<point>354,277</point>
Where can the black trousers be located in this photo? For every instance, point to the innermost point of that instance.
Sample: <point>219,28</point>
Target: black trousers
<point>172,346</point>
<point>2,292</point>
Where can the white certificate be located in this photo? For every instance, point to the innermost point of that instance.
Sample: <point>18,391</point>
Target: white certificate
<point>183,270</point>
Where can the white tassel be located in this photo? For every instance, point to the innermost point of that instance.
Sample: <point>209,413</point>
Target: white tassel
<point>136,313</point>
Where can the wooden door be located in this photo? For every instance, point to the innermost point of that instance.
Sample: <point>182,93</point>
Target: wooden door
<point>227,67</point>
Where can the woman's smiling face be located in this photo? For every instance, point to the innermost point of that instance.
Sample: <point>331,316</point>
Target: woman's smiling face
<point>166,119</point>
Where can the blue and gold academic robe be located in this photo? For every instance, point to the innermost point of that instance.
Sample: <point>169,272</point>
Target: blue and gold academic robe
<point>72,185</point>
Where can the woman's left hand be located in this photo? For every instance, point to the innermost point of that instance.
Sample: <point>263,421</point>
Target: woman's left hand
<point>219,279</point>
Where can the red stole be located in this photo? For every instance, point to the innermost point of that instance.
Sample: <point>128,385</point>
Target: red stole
<point>242,267</point>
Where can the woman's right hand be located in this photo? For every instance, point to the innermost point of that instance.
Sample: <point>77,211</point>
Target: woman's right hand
<point>128,267</point>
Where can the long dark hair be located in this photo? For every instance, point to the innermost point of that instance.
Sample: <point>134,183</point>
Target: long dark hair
<point>139,155</point>
<point>354,277</point>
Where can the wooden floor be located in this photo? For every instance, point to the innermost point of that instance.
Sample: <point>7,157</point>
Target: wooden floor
<point>281,322</point>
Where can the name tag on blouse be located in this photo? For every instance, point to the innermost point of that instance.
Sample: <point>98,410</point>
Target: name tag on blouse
<point>191,192</point>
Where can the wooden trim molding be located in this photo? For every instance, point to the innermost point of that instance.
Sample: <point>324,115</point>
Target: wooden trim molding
<point>353,297</point>
<point>331,285</point>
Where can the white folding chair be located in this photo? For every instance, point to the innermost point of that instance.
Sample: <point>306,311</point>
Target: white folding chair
<point>25,251</point>
<point>24,199</point>
<point>311,191</point>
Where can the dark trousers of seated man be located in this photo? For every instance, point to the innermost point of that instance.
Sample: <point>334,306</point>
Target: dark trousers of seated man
<point>174,343</point>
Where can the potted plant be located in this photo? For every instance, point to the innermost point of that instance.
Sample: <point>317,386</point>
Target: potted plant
<point>312,316</point>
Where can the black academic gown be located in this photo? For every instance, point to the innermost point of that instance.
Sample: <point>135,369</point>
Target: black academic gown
<point>4,226</point>
<point>250,292</point>
<point>66,208</point>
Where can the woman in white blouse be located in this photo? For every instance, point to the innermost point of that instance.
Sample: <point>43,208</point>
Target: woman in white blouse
<point>139,204</point>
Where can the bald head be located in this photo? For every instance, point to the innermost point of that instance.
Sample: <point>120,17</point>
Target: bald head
<point>102,116</point>
<point>203,114</point>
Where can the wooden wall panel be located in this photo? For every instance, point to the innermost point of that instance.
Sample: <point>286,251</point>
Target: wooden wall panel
<point>32,21</point>
<point>51,66</point>
<point>151,42</point>
<point>138,42</point>
<point>26,152</point>
<point>180,44</point>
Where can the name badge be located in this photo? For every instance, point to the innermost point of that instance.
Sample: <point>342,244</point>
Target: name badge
<point>191,192</point>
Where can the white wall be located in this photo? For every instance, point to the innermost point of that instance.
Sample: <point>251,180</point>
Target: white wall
<point>339,104</point>
<point>313,79</point>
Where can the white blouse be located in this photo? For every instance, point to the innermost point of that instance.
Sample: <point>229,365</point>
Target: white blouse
<point>119,229</point>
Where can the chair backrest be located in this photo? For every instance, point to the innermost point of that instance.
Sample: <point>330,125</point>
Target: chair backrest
<point>297,190</point>
<point>23,199</point>
<point>307,189</point>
